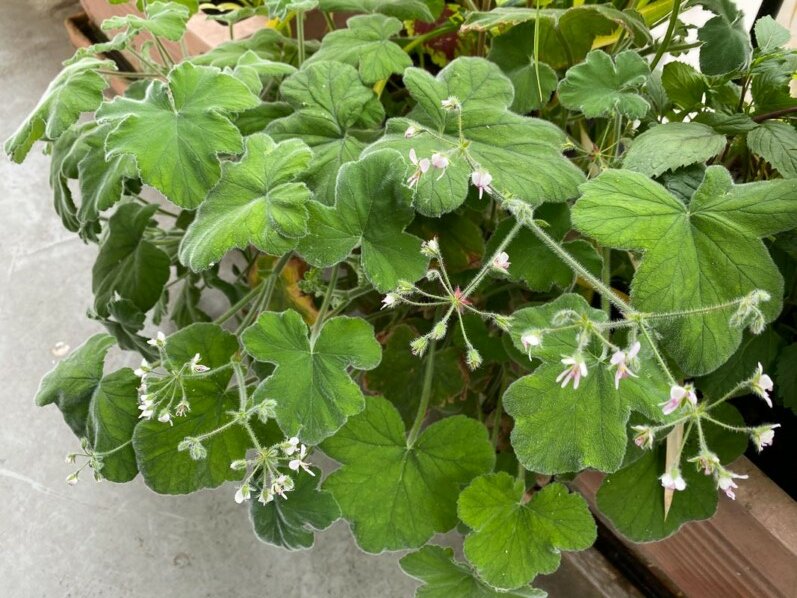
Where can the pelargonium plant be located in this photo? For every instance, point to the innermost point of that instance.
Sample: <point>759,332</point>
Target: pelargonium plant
<point>468,252</point>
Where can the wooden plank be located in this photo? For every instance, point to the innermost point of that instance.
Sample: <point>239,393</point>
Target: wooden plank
<point>587,574</point>
<point>746,549</point>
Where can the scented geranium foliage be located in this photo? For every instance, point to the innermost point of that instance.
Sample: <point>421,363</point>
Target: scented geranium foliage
<point>465,254</point>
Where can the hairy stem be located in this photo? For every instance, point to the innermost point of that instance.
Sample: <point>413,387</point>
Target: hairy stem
<point>333,280</point>
<point>426,395</point>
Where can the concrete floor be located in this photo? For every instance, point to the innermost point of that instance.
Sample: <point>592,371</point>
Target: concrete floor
<point>110,540</point>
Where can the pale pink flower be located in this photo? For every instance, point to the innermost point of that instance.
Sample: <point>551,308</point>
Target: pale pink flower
<point>576,368</point>
<point>439,160</point>
<point>762,384</point>
<point>672,479</point>
<point>481,179</point>
<point>678,396</point>
<point>620,360</point>
<point>421,167</point>
<point>501,262</point>
<point>644,437</point>
<point>707,461</point>
<point>531,338</point>
<point>299,461</point>
<point>410,132</point>
<point>763,436</point>
<point>726,484</point>
<point>389,300</point>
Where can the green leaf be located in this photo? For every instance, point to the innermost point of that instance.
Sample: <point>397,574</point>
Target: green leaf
<point>776,142</point>
<point>371,211</point>
<point>786,377</point>
<point>256,202</point>
<point>268,44</point>
<point>460,239</point>
<point>315,395</point>
<point>113,415</point>
<point>365,44</point>
<point>71,384</point>
<point>672,145</point>
<point>444,577</point>
<point>684,85</point>
<point>536,265</point>
<point>726,42</point>
<point>560,430</point>
<point>770,35</point>
<point>169,471</point>
<point>600,87</point>
<point>128,265</point>
<point>400,375</point>
<point>633,498</point>
<point>696,256</point>
<point>290,523</point>
<point>163,19</point>
<point>406,10</point>
<point>771,83</point>
<point>522,154</point>
<point>398,494</point>
<point>332,107</point>
<point>514,540</point>
<point>176,132</point>
<point>77,88</point>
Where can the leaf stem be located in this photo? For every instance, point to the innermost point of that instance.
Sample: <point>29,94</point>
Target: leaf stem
<point>426,395</point>
<point>676,6</point>
<point>300,37</point>
<point>333,280</point>
<point>268,291</point>
<point>486,267</point>
<point>243,301</point>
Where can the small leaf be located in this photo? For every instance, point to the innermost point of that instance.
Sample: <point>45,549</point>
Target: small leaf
<point>177,131</point>
<point>513,540</point>
<point>290,523</point>
<point>710,248</point>
<point>397,495</point>
<point>77,88</point>
<point>163,19</point>
<point>128,265</point>
<point>726,42</point>
<point>406,10</point>
<point>365,44</point>
<point>267,44</point>
<point>315,395</point>
<point>332,107</point>
<point>444,577</point>
<point>770,35</point>
<point>776,142</point>
<point>685,86</point>
<point>71,384</point>
<point>672,145</point>
<point>599,87</point>
<point>256,202</point>
<point>372,209</point>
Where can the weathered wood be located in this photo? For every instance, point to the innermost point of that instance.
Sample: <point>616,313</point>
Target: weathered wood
<point>587,574</point>
<point>746,549</point>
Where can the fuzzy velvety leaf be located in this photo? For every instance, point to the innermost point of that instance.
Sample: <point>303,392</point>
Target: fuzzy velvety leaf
<point>71,383</point>
<point>371,209</point>
<point>423,10</point>
<point>776,142</point>
<point>770,35</point>
<point>163,19</point>
<point>522,154</point>
<point>685,86</point>
<point>290,523</point>
<point>726,45</point>
<point>77,88</point>
<point>672,145</point>
<point>513,540</point>
<point>633,499</point>
<point>268,44</point>
<point>113,415</point>
<point>169,471</point>
<point>128,265</point>
<point>332,107</point>
<point>444,577</point>
<point>711,248</point>
<point>177,131</point>
<point>314,393</point>
<point>256,202</point>
<point>400,375</point>
<point>600,87</point>
<point>365,44</point>
<point>395,494</point>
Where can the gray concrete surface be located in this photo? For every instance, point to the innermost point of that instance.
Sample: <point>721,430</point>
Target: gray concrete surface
<point>107,540</point>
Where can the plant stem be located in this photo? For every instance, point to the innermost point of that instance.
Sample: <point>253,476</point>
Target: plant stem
<point>421,39</point>
<point>676,6</point>
<point>333,280</point>
<point>267,292</point>
<point>426,395</point>
<point>240,304</point>
<point>606,278</point>
<point>657,355</point>
<point>300,36</point>
<point>775,114</point>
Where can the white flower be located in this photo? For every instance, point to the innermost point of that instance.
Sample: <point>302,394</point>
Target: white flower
<point>531,338</point>
<point>182,408</point>
<point>142,370</point>
<point>726,484</point>
<point>389,300</point>
<point>290,446</point>
<point>158,341</point>
<point>450,103</point>
<point>421,167</point>
<point>197,367</point>
<point>620,360</point>
<point>481,180</point>
<point>281,485</point>
<point>70,458</point>
<point>147,407</point>
<point>266,496</point>
<point>707,461</point>
<point>762,384</point>
<point>295,464</point>
<point>410,132</point>
<point>672,479</point>
<point>501,262</point>
<point>243,493</point>
<point>644,437</point>
<point>440,161</point>
<point>430,248</point>
<point>575,370</point>
<point>71,479</point>
<point>763,436</point>
<point>165,417</point>
<point>678,396</point>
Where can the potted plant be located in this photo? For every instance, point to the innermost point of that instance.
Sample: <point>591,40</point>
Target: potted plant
<point>468,252</point>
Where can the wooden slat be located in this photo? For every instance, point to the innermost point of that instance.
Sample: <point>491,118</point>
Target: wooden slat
<point>587,574</point>
<point>746,549</point>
